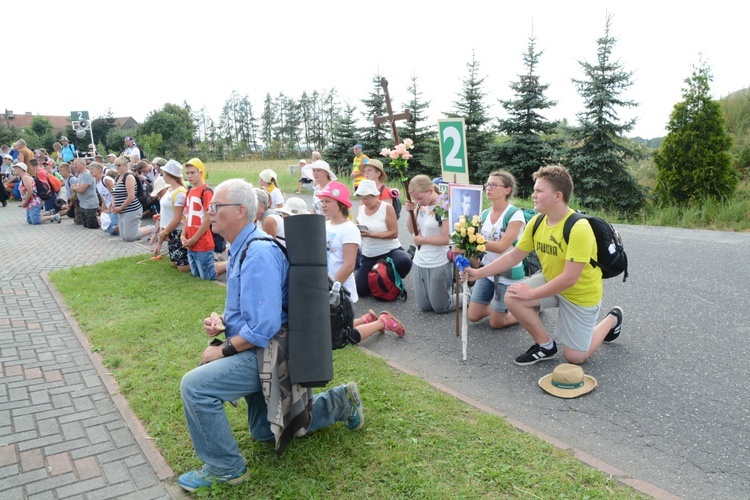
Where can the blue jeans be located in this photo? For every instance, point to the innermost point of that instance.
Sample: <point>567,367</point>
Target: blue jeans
<point>202,264</point>
<point>206,388</point>
<point>34,215</point>
<point>114,220</point>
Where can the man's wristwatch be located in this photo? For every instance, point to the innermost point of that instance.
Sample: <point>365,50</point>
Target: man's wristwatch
<point>227,349</point>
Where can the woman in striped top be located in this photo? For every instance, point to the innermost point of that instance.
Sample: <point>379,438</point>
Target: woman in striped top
<point>125,203</point>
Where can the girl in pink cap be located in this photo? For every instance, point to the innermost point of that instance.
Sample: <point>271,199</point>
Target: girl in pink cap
<point>343,240</point>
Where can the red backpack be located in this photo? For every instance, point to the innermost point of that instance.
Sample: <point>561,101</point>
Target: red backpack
<point>384,281</point>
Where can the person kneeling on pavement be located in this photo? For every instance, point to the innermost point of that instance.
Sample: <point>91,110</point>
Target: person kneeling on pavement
<point>255,328</point>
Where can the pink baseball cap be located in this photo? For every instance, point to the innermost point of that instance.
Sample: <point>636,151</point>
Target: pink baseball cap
<point>336,191</point>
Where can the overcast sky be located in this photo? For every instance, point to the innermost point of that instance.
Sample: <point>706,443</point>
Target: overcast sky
<point>135,56</point>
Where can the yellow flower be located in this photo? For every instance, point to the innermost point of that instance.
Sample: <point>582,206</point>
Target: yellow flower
<point>463,232</point>
<point>471,230</point>
<point>481,248</point>
<point>457,226</point>
<point>462,219</point>
<point>480,239</point>
<point>472,238</point>
<point>476,220</point>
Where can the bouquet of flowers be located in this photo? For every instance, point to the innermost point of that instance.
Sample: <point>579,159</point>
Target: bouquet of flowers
<point>399,157</point>
<point>467,238</point>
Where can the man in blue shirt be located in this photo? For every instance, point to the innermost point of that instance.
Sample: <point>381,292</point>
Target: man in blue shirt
<point>68,150</point>
<point>254,315</point>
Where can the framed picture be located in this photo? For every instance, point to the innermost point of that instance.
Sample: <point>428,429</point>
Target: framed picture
<point>466,199</point>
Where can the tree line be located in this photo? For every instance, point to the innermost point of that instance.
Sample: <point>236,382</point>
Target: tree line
<point>696,153</point>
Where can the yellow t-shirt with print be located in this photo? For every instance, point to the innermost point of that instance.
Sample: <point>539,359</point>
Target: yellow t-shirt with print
<point>553,252</point>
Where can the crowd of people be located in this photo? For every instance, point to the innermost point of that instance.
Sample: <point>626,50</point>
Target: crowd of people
<point>193,221</point>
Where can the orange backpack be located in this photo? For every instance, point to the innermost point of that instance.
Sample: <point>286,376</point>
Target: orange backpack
<point>54,183</point>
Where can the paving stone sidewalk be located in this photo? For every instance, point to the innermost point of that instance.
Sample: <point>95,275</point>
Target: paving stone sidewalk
<point>65,431</point>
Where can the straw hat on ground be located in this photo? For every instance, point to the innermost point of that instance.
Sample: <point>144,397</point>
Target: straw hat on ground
<point>567,381</point>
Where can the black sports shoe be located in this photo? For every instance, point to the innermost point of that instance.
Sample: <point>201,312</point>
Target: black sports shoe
<point>536,353</point>
<point>614,332</point>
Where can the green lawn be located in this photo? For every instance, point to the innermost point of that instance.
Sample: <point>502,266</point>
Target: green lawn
<point>417,442</point>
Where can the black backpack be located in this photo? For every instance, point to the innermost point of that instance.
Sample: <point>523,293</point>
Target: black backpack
<point>396,203</point>
<point>139,193</point>
<point>42,189</point>
<point>342,318</point>
<point>610,256</point>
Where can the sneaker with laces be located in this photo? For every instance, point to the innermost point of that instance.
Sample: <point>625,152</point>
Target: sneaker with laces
<point>193,480</point>
<point>535,354</point>
<point>615,331</point>
<point>392,323</point>
<point>356,417</point>
<point>370,317</point>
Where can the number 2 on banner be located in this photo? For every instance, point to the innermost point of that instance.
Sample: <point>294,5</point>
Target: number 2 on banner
<point>80,116</point>
<point>452,159</point>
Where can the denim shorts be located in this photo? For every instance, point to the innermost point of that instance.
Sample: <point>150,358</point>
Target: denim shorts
<point>484,293</point>
<point>202,264</point>
<point>34,215</point>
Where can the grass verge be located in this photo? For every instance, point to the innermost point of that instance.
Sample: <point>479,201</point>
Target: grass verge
<point>417,441</point>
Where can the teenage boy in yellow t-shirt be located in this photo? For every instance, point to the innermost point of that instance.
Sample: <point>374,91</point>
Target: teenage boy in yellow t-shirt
<point>568,281</point>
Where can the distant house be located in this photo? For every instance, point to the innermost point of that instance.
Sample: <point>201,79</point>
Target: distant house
<point>126,123</point>
<point>60,123</point>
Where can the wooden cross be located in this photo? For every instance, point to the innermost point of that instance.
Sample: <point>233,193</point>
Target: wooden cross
<point>390,117</point>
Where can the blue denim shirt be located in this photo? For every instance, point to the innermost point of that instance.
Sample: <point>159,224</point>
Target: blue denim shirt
<point>256,290</point>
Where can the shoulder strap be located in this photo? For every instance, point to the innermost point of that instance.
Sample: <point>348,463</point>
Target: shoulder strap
<point>265,238</point>
<point>510,213</point>
<point>177,191</point>
<point>485,213</point>
<point>205,188</point>
<point>574,217</point>
<point>536,224</point>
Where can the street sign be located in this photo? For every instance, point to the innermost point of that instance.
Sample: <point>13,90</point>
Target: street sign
<point>77,116</point>
<point>452,135</point>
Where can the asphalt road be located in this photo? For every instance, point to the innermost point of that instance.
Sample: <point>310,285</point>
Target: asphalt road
<point>671,407</point>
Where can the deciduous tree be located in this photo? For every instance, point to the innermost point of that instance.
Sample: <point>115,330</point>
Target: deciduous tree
<point>175,125</point>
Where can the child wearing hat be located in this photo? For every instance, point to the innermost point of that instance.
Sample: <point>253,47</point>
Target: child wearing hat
<point>197,236</point>
<point>171,217</point>
<point>268,179</point>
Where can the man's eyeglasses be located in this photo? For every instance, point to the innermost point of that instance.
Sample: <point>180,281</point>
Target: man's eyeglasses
<point>493,185</point>
<point>214,207</point>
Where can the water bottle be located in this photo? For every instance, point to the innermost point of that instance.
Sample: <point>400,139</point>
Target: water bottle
<point>334,296</point>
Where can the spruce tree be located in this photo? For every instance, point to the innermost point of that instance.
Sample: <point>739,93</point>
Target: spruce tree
<point>693,162</point>
<point>374,137</point>
<point>528,146</point>
<point>471,107</point>
<point>426,155</point>
<point>267,119</point>
<point>339,153</point>
<point>598,161</point>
